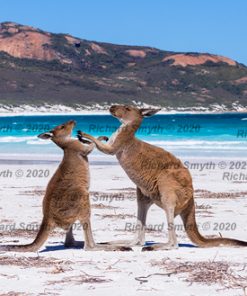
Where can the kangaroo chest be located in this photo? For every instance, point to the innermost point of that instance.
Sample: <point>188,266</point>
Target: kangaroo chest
<point>114,135</point>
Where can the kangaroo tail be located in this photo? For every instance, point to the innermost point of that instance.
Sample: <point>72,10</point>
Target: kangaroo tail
<point>41,237</point>
<point>188,217</point>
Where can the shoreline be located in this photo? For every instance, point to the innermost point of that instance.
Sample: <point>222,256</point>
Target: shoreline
<point>106,112</point>
<point>98,159</point>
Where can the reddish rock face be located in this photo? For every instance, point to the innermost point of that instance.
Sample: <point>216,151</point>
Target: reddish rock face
<point>98,49</point>
<point>192,60</point>
<point>242,80</point>
<point>136,53</point>
<point>26,43</point>
<point>30,43</point>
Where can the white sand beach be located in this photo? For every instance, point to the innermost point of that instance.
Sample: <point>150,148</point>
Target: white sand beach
<point>172,74</point>
<point>221,210</point>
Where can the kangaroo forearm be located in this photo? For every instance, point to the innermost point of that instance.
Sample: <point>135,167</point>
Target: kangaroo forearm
<point>88,149</point>
<point>105,148</point>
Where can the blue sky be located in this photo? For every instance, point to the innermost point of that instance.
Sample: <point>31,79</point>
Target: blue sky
<point>214,26</point>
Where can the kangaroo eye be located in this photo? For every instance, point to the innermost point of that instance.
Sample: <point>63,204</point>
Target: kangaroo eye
<point>127,108</point>
<point>62,126</point>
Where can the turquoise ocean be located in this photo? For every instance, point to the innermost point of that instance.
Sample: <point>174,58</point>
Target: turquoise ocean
<point>196,135</point>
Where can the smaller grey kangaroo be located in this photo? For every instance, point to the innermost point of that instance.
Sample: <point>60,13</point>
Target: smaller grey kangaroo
<point>67,198</point>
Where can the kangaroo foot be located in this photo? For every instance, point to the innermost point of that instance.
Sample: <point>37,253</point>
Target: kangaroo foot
<point>125,243</point>
<point>157,247</point>
<point>105,247</point>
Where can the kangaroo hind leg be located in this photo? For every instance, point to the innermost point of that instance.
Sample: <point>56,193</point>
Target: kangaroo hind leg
<point>143,205</point>
<point>168,203</point>
<point>70,241</point>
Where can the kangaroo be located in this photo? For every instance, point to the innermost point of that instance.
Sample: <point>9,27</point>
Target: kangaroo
<point>160,178</point>
<point>67,198</point>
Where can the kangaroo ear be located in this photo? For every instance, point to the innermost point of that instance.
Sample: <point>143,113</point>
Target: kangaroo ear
<point>46,136</point>
<point>146,112</point>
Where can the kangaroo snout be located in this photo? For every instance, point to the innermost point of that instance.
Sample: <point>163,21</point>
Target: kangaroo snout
<point>46,136</point>
<point>59,132</point>
<point>72,122</point>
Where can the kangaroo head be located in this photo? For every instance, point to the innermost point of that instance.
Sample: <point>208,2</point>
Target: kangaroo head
<point>60,134</point>
<point>128,114</point>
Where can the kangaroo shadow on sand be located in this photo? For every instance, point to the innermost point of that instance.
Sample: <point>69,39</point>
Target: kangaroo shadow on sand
<point>80,245</point>
<point>61,247</point>
<point>151,243</point>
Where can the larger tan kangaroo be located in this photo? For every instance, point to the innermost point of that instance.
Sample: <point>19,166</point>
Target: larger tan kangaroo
<point>160,178</point>
<point>67,198</point>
